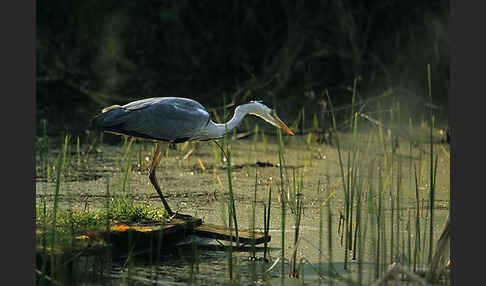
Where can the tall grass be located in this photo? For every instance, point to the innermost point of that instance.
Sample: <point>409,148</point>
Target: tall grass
<point>348,173</point>
<point>61,160</point>
<point>330,237</point>
<point>432,170</point>
<point>253,228</point>
<point>298,204</point>
<point>266,222</point>
<point>127,159</point>
<point>227,154</point>
<point>283,203</point>
<point>383,222</point>
<point>388,235</point>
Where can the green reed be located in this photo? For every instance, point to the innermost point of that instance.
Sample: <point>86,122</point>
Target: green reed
<point>432,169</point>
<point>222,208</point>
<point>321,235</point>
<point>128,167</point>
<point>392,201</point>
<point>379,226</point>
<point>282,201</point>
<point>107,216</point>
<point>398,204</point>
<point>349,176</point>
<point>43,227</point>
<point>232,207</point>
<point>227,154</point>
<point>293,195</point>
<point>329,236</point>
<point>360,238</point>
<point>266,221</point>
<point>298,204</point>
<point>357,193</point>
<point>253,228</point>
<point>230,248</point>
<point>374,219</point>
<point>231,203</point>
<point>409,242</point>
<point>60,165</point>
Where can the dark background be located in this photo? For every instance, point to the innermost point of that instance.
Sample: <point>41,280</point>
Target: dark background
<point>90,54</point>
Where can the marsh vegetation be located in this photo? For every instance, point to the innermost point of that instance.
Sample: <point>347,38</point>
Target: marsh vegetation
<point>342,200</point>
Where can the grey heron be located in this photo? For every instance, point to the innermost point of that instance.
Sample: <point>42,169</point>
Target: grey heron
<point>175,120</point>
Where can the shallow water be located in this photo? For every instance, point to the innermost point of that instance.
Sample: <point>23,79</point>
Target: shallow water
<point>192,186</point>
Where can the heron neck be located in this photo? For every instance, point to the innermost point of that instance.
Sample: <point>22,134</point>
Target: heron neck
<point>223,128</point>
<point>218,130</point>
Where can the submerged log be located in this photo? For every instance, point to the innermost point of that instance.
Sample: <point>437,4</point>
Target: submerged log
<point>122,238</point>
<point>163,236</point>
<point>218,232</point>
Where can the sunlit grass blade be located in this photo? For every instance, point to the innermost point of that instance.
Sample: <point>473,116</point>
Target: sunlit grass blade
<point>417,223</point>
<point>266,218</point>
<point>282,201</point>
<point>128,168</point>
<point>321,233</point>
<point>253,219</point>
<point>61,161</point>
<point>330,236</point>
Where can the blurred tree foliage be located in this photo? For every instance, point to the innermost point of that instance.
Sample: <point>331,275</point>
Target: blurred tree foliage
<point>94,53</point>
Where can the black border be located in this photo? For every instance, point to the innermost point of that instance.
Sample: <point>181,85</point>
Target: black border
<point>17,27</point>
<point>467,75</point>
<point>467,78</point>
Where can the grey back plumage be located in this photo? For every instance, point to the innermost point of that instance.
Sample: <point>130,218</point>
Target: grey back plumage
<point>171,119</point>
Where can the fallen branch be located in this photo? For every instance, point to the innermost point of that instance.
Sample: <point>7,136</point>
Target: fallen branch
<point>392,273</point>
<point>441,256</point>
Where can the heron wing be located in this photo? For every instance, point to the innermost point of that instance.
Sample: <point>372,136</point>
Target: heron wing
<point>163,118</point>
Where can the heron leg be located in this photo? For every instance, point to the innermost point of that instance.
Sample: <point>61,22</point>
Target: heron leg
<point>153,179</point>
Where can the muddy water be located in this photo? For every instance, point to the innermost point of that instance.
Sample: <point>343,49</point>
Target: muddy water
<point>192,186</point>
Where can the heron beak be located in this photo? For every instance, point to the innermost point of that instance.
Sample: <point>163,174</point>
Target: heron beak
<point>279,123</point>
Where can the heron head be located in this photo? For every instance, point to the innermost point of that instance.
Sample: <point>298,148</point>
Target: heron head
<point>269,115</point>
